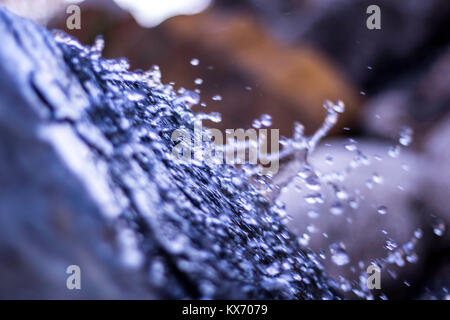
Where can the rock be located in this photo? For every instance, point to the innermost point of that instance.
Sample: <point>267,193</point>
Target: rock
<point>88,179</point>
<point>418,102</point>
<point>370,212</point>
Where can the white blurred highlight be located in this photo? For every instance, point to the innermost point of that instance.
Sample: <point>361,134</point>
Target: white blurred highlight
<point>37,10</point>
<point>150,13</point>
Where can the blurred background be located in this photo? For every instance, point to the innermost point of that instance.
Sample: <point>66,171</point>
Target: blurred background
<point>284,58</point>
<point>280,57</point>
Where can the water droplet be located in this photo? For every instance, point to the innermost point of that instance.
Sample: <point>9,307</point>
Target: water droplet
<point>338,254</point>
<point>351,145</point>
<point>322,254</point>
<point>207,289</point>
<point>135,96</point>
<point>339,107</point>
<point>418,233</point>
<point>153,76</point>
<point>273,269</point>
<point>256,124</point>
<point>213,116</point>
<point>304,239</point>
<point>377,178</point>
<point>405,138</point>
<point>198,81</point>
<point>217,97</point>
<point>312,183</point>
<point>412,258</point>
<point>341,193</point>
<point>195,62</point>
<point>312,228</point>
<point>391,245</point>
<point>439,228</point>
<point>280,208</point>
<point>382,210</point>
<point>187,97</point>
<point>313,214</point>
<point>314,198</point>
<point>337,209</point>
<point>397,258</point>
<point>266,120</point>
<point>394,151</point>
<point>353,203</point>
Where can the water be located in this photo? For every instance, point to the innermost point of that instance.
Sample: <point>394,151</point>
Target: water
<point>195,62</point>
<point>439,227</point>
<point>313,186</point>
<point>382,210</point>
<point>351,145</point>
<point>338,254</point>
<point>405,138</point>
<point>199,230</point>
<point>222,225</point>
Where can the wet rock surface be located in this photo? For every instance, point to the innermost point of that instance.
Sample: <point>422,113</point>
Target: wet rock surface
<point>87,178</point>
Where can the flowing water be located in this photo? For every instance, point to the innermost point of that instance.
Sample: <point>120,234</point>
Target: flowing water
<point>137,113</point>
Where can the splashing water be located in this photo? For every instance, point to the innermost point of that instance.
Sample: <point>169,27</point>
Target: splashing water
<point>195,62</point>
<point>339,254</point>
<point>294,160</point>
<point>295,167</point>
<point>211,219</point>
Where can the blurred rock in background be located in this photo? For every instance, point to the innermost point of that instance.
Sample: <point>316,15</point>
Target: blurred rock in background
<point>371,212</point>
<point>251,70</point>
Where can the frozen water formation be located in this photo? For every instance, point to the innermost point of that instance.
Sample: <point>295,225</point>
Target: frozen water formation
<point>87,178</point>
